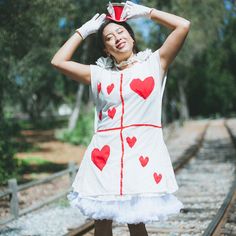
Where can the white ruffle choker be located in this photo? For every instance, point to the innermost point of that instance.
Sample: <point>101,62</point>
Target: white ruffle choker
<point>107,62</point>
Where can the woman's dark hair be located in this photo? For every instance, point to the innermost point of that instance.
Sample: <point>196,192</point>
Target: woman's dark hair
<point>100,41</point>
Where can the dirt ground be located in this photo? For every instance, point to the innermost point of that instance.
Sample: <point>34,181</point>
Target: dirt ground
<point>48,148</point>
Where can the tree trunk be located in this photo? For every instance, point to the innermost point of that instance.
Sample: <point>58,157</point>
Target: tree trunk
<point>75,114</point>
<point>183,109</point>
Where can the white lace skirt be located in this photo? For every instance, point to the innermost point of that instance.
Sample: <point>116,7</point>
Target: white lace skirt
<point>132,209</point>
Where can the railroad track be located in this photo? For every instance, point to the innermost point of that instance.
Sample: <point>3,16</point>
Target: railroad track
<point>206,177</point>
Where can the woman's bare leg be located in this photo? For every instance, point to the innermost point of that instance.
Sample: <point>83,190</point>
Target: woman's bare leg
<point>103,228</point>
<point>137,229</point>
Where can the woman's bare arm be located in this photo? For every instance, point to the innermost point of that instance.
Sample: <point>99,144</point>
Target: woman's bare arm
<point>175,40</point>
<point>62,60</point>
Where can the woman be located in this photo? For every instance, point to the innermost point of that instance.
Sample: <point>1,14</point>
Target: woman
<point>126,174</point>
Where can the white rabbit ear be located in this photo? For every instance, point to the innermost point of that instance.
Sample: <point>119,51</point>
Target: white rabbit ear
<point>125,11</point>
<point>110,9</point>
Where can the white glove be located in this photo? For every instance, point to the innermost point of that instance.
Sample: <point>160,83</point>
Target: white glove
<point>91,26</point>
<point>132,10</point>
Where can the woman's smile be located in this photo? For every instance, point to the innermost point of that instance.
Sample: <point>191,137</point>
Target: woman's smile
<point>120,45</point>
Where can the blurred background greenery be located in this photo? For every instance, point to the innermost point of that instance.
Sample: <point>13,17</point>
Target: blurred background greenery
<point>33,95</point>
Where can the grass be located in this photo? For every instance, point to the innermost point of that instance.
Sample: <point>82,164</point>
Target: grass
<point>34,166</point>
<point>34,161</point>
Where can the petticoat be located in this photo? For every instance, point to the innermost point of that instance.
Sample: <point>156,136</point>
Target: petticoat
<point>132,209</point>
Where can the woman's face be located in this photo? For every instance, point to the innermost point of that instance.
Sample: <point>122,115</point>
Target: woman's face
<point>117,41</point>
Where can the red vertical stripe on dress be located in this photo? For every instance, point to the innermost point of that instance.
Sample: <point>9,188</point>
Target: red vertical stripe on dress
<point>121,136</point>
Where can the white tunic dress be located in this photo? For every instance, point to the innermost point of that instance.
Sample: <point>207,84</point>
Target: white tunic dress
<point>126,173</point>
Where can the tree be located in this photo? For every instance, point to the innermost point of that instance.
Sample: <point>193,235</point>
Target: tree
<point>28,35</point>
<point>206,20</point>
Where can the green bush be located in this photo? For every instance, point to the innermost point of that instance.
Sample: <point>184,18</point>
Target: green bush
<point>83,132</point>
<point>8,164</point>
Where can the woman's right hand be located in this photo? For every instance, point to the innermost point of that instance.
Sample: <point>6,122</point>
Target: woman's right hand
<point>133,10</point>
<point>91,26</point>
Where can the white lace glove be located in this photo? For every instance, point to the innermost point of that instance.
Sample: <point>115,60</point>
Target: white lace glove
<point>91,26</point>
<point>132,10</point>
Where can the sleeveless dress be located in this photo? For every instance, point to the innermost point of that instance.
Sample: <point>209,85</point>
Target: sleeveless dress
<point>126,172</point>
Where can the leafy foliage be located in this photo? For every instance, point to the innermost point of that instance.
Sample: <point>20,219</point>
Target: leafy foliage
<point>7,150</point>
<point>83,132</point>
<point>204,67</point>
<point>204,71</point>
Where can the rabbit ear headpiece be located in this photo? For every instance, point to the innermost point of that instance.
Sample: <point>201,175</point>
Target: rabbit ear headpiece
<point>115,11</point>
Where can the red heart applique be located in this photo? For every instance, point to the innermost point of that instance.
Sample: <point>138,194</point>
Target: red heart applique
<point>110,88</point>
<point>143,88</point>
<point>100,115</point>
<point>131,141</point>
<point>99,158</point>
<point>99,86</point>
<point>157,177</point>
<point>143,161</point>
<point>111,112</point>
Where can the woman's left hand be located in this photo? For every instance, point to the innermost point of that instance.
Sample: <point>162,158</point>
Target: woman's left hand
<point>132,10</point>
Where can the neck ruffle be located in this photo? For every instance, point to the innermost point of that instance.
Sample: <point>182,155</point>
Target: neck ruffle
<point>108,63</point>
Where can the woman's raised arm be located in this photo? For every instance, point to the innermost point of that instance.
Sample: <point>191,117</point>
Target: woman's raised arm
<point>62,58</point>
<point>175,40</point>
